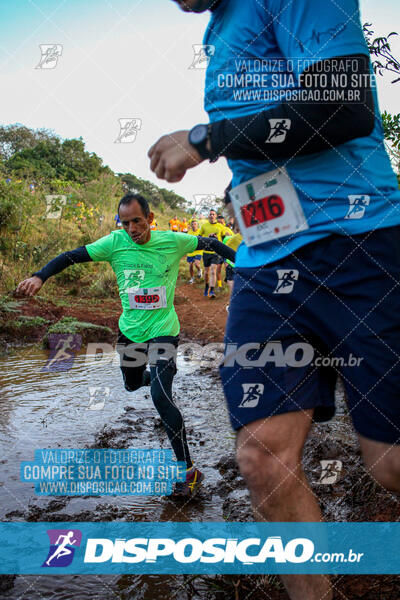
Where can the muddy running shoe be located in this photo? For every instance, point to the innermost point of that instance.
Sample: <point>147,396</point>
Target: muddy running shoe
<point>200,274</point>
<point>211,294</point>
<point>190,487</point>
<point>191,280</point>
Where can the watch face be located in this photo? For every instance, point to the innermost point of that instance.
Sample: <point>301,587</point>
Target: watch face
<point>198,134</point>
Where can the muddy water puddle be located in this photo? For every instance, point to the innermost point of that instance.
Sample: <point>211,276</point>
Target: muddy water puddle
<point>55,410</point>
<point>52,410</point>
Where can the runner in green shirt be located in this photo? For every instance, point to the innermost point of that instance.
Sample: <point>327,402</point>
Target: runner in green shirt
<point>146,265</point>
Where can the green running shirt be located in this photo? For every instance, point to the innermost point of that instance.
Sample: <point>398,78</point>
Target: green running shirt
<point>146,276</point>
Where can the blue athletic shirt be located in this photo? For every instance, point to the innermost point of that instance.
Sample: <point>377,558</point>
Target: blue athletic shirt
<point>291,36</point>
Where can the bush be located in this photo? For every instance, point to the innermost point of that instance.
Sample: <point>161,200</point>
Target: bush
<point>71,275</point>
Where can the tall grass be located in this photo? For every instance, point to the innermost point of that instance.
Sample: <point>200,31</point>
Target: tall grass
<point>29,239</point>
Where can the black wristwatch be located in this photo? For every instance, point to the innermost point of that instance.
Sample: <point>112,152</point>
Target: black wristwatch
<point>199,137</point>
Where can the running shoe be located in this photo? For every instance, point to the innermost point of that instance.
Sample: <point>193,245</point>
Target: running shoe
<point>211,294</point>
<point>190,487</point>
<point>191,280</point>
<point>200,274</point>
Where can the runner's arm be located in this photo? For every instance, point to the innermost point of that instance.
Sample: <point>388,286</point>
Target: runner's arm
<point>213,245</point>
<point>314,126</point>
<point>62,261</point>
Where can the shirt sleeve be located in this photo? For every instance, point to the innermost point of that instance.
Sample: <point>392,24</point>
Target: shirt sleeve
<point>101,249</point>
<point>185,243</point>
<point>307,32</point>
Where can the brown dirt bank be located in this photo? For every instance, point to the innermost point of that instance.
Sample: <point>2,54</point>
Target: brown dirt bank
<point>26,320</point>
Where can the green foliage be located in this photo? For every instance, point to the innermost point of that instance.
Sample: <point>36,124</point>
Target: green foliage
<point>391,126</point>
<point>8,305</point>
<point>104,284</point>
<point>73,326</point>
<point>381,54</point>
<point>71,275</point>
<point>154,195</point>
<point>56,159</point>
<point>29,239</point>
<point>13,196</point>
<point>14,138</point>
<point>25,321</point>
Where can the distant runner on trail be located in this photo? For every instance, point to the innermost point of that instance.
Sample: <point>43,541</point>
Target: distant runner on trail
<point>174,224</point>
<point>194,258</point>
<point>146,264</point>
<point>213,229</point>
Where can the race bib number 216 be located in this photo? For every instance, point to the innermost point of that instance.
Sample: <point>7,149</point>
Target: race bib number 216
<point>267,207</point>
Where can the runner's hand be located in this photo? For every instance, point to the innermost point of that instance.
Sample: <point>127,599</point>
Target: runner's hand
<point>29,287</point>
<point>172,155</point>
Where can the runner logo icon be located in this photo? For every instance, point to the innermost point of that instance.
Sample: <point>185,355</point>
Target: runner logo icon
<point>62,547</point>
<point>63,348</point>
<point>279,129</point>
<point>331,470</point>
<point>50,54</point>
<point>133,278</point>
<point>202,56</point>
<point>357,206</point>
<point>286,280</point>
<point>252,393</point>
<point>128,129</point>
<point>98,397</point>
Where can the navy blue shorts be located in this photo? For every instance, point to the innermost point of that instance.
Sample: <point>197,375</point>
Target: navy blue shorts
<point>192,259</point>
<point>332,307</point>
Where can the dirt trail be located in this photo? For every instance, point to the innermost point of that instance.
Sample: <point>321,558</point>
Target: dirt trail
<point>354,497</point>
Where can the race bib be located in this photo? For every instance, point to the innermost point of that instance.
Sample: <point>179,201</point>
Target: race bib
<point>147,298</point>
<point>267,207</point>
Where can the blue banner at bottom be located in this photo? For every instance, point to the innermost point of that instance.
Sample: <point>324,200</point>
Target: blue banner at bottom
<point>209,548</point>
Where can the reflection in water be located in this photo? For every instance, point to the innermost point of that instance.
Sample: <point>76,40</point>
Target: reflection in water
<point>55,410</point>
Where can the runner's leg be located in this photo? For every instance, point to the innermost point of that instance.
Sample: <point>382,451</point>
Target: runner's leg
<point>383,462</point>
<point>219,274</point>
<point>213,275</point>
<point>206,274</point>
<point>269,455</point>
<point>198,266</point>
<point>133,369</point>
<point>162,374</point>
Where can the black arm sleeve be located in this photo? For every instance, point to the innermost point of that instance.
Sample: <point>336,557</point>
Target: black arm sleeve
<point>304,128</point>
<point>62,261</point>
<point>213,245</point>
